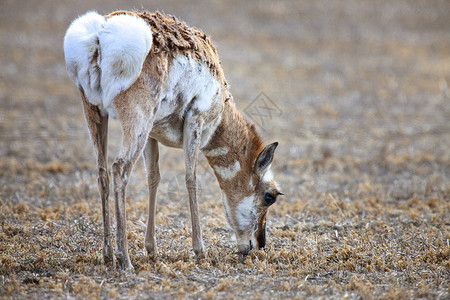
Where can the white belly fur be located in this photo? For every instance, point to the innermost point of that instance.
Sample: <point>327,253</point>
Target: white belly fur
<point>190,88</point>
<point>191,91</point>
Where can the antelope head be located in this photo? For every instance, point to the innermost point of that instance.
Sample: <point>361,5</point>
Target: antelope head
<point>246,208</point>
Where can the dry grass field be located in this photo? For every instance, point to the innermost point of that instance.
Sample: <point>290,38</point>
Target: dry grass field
<point>359,100</point>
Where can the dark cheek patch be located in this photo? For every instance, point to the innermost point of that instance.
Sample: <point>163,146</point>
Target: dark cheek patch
<point>261,237</point>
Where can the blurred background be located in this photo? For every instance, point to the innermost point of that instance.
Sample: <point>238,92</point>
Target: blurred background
<point>352,89</point>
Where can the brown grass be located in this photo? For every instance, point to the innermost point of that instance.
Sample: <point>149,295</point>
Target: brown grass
<point>364,159</point>
<point>366,246</point>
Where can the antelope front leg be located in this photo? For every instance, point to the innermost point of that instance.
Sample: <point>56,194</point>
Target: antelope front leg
<point>192,138</point>
<point>120,177</point>
<point>98,129</point>
<point>151,158</point>
<point>132,145</point>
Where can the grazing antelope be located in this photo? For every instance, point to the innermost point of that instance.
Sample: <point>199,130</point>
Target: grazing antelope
<point>164,83</point>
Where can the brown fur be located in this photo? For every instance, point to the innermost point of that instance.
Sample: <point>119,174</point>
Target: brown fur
<point>244,144</point>
<point>98,128</point>
<point>172,37</point>
<point>136,107</point>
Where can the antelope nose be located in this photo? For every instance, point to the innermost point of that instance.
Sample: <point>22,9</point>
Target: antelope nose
<point>244,249</point>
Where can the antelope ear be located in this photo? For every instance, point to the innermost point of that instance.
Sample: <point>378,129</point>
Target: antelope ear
<point>264,159</point>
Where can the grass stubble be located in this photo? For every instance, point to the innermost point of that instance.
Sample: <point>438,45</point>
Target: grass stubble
<point>330,246</point>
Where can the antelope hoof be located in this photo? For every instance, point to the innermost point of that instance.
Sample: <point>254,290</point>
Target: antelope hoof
<point>129,269</point>
<point>199,253</point>
<point>124,263</point>
<point>108,257</point>
<point>151,251</point>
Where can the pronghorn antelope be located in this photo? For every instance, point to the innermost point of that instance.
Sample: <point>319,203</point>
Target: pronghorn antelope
<point>164,83</point>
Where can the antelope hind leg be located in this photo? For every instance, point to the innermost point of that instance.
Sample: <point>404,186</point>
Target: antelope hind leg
<point>98,129</point>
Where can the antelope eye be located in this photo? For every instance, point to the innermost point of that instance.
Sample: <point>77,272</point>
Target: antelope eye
<point>269,198</point>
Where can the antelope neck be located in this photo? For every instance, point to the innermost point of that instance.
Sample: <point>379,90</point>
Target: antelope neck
<point>233,149</point>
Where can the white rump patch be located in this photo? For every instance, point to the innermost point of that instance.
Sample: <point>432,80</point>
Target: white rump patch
<point>80,46</point>
<point>245,212</point>
<point>125,42</point>
<point>216,152</point>
<point>228,172</point>
<point>104,57</point>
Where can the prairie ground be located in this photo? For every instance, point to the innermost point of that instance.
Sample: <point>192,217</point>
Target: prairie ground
<point>357,94</point>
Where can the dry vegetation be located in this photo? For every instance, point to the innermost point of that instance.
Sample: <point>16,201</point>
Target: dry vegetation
<point>364,158</point>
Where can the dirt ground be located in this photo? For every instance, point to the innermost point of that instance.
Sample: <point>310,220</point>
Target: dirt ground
<point>356,92</point>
